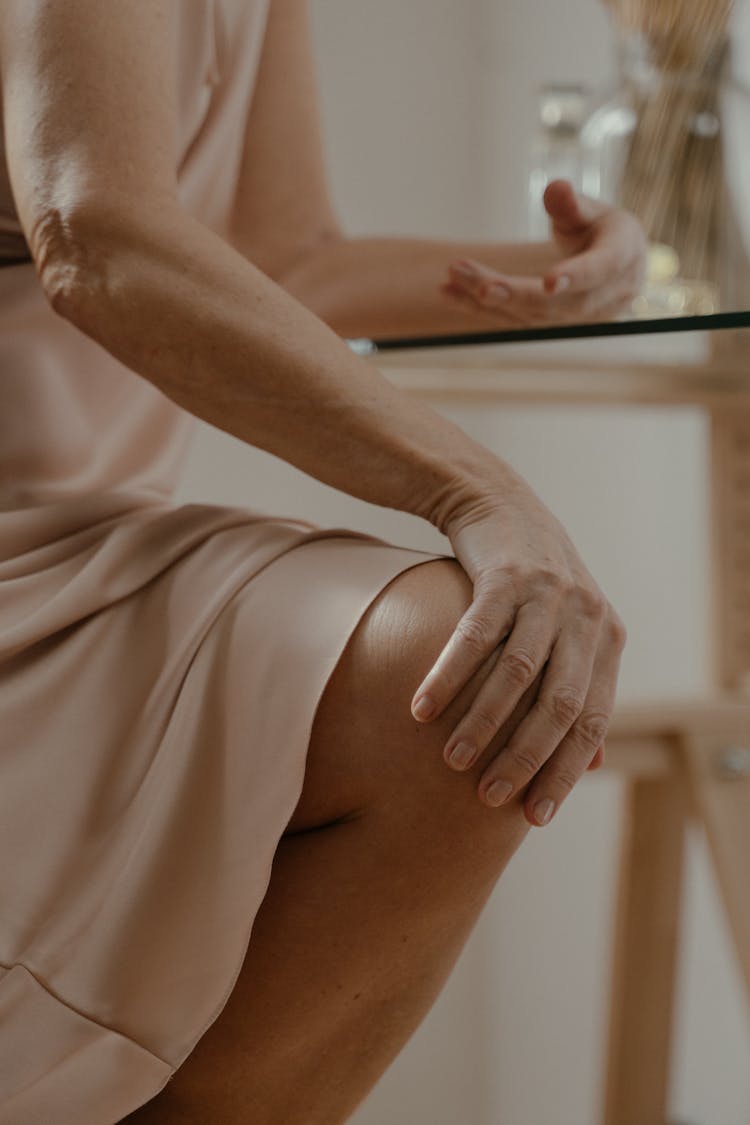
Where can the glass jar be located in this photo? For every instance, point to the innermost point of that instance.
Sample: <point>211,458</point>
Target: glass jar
<point>654,145</point>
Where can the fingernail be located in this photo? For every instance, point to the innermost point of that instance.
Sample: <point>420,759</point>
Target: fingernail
<point>424,708</point>
<point>562,284</point>
<point>498,792</point>
<point>543,810</point>
<point>498,291</point>
<point>461,755</point>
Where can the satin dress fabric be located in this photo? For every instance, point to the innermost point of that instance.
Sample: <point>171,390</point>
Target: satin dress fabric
<point>160,668</point>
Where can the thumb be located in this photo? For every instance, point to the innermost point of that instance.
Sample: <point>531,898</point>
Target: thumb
<point>570,212</point>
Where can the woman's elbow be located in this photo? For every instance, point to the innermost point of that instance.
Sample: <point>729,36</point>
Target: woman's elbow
<point>81,254</point>
<point>69,261</point>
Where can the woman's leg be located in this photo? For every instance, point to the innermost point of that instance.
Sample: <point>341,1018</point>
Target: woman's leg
<point>376,885</point>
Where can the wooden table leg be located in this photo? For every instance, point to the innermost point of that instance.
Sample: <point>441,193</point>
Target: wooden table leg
<point>644,958</point>
<point>719,773</point>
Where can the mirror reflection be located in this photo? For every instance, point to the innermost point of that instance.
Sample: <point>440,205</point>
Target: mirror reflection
<point>532,135</point>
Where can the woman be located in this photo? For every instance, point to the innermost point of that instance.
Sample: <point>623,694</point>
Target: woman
<point>192,693</point>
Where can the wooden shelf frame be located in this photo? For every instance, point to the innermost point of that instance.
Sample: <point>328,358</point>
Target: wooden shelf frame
<point>682,761</point>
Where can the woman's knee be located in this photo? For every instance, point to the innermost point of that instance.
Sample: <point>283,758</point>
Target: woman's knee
<point>397,643</point>
<point>407,625</point>
<point>366,745</point>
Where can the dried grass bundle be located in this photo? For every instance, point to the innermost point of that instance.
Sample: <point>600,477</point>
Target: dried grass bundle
<point>673,174</point>
<point>682,34</point>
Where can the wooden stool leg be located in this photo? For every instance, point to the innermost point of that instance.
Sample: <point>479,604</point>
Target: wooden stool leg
<point>719,775</point>
<point>644,958</point>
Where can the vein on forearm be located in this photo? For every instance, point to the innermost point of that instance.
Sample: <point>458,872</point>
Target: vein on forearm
<point>179,306</point>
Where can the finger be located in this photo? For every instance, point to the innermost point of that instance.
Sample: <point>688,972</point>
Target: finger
<point>490,289</point>
<point>509,315</point>
<point>474,277</point>
<point>532,294</point>
<point>524,655</point>
<point>604,304</point>
<point>480,630</point>
<point>524,299</point>
<point>561,700</point>
<point>503,286</point>
<point>615,250</point>
<point>604,262</point>
<point>505,291</point>
<point>468,299</point>
<point>598,760</point>
<point>582,745</point>
<point>570,211</point>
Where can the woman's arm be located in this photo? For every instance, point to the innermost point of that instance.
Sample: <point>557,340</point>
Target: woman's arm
<point>590,270</point>
<point>90,125</point>
<point>284,221</point>
<point>90,128</point>
<point>380,287</point>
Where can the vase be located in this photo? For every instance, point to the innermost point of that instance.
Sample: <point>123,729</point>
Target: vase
<point>654,143</point>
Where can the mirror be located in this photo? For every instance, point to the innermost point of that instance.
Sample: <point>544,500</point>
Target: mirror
<point>457,117</point>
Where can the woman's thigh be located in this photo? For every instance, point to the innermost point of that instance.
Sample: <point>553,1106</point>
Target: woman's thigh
<point>365,745</point>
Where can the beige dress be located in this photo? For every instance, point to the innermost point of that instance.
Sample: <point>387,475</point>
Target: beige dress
<point>160,667</point>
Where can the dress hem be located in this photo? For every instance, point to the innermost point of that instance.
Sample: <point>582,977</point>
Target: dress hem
<point>66,1065</point>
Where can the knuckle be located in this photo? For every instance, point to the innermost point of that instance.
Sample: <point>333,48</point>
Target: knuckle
<point>591,603</point>
<point>512,576</point>
<point>483,721</point>
<point>591,728</point>
<point>564,706</point>
<point>524,759</point>
<point>549,580</point>
<point>519,666</point>
<point>565,779</point>
<point>495,582</point>
<point>474,635</point>
<point>616,631</point>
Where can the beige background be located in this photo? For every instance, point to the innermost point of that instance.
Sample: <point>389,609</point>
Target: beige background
<point>428,105</point>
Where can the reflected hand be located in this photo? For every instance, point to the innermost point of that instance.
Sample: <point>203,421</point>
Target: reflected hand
<point>601,268</point>
<point>535,602</point>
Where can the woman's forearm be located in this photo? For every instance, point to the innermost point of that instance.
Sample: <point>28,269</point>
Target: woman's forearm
<point>179,306</point>
<point>381,287</point>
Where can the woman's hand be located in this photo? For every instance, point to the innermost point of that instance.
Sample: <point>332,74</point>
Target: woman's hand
<point>533,595</point>
<point>601,268</point>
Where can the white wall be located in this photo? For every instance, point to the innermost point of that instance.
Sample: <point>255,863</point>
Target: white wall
<point>427,106</point>
<point>430,105</point>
